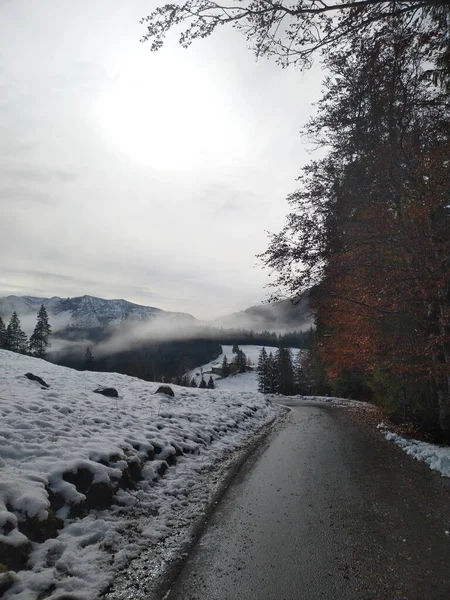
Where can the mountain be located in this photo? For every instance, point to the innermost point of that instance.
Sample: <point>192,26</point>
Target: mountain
<point>85,312</point>
<point>282,317</point>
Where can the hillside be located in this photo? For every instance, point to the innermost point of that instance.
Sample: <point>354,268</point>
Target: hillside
<point>282,317</point>
<point>88,481</point>
<point>238,382</point>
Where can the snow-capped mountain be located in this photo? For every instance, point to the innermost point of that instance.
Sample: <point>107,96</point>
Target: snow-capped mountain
<point>84,311</point>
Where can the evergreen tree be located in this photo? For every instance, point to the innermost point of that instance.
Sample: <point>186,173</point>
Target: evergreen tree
<point>88,359</point>
<point>241,361</point>
<point>211,384</point>
<point>225,367</point>
<point>193,383</point>
<point>185,380</point>
<point>235,349</point>
<point>39,338</point>
<point>2,334</point>
<point>16,339</point>
<point>285,370</point>
<point>202,383</point>
<point>302,383</point>
<point>261,370</point>
<point>271,384</point>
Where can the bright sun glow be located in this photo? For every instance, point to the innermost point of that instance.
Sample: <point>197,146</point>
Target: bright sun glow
<point>169,115</point>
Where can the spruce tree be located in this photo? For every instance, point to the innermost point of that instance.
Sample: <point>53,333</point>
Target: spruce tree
<point>225,367</point>
<point>193,383</point>
<point>271,384</point>
<point>2,334</point>
<point>285,370</point>
<point>16,339</point>
<point>202,383</point>
<point>211,384</point>
<point>235,349</point>
<point>39,338</point>
<point>301,375</point>
<point>261,370</point>
<point>88,359</point>
<point>241,361</point>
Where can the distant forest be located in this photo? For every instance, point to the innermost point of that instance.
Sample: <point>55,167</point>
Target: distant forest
<point>161,360</point>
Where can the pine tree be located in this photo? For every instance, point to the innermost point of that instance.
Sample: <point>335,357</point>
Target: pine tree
<point>211,384</point>
<point>16,339</point>
<point>225,367</point>
<point>193,383</point>
<point>2,334</point>
<point>283,360</point>
<point>88,359</point>
<point>202,384</point>
<point>271,382</point>
<point>301,376</point>
<point>185,380</point>
<point>39,338</point>
<point>241,361</point>
<point>261,369</point>
<point>235,349</point>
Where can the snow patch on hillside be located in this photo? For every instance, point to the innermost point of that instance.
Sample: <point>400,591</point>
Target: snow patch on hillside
<point>48,437</point>
<point>245,382</point>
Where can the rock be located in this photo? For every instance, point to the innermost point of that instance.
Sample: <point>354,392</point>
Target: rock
<point>6,581</point>
<point>36,378</point>
<point>14,557</point>
<point>110,392</point>
<point>165,389</point>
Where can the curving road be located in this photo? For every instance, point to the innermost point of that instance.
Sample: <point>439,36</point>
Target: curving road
<point>325,509</point>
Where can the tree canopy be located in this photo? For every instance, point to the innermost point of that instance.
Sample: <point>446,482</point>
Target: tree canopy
<point>293,33</point>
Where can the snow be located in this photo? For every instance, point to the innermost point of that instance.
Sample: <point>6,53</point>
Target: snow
<point>48,434</point>
<point>436,457</point>
<point>245,382</point>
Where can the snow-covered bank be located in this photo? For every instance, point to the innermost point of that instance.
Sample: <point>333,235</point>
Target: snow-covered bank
<point>436,457</point>
<point>81,486</point>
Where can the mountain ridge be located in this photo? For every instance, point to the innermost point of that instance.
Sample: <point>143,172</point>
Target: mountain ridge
<point>85,311</point>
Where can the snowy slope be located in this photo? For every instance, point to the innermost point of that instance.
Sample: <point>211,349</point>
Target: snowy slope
<point>66,452</point>
<point>239,382</point>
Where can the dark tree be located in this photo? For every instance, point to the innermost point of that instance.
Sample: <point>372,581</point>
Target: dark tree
<point>202,384</point>
<point>185,380</point>
<point>39,339</point>
<point>193,383</point>
<point>261,370</point>
<point>302,383</point>
<point>225,367</point>
<point>211,384</point>
<point>294,33</point>
<point>16,339</point>
<point>235,349</point>
<point>272,380</point>
<point>2,334</point>
<point>88,359</point>
<point>241,361</point>
<point>283,360</point>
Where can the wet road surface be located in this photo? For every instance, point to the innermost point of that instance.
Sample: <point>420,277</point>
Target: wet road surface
<point>326,508</point>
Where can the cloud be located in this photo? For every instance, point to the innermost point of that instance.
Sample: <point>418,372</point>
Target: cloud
<point>125,173</point>
<point>38,175</point>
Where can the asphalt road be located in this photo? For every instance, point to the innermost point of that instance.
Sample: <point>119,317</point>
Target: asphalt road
<point>326,508</point>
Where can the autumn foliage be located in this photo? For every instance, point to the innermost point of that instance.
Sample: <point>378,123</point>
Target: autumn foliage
<point>370,225</point>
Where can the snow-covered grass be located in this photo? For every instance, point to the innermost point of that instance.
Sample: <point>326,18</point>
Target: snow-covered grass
<point>436,457</point>
<point>59,445</point>
<point>239,381</point>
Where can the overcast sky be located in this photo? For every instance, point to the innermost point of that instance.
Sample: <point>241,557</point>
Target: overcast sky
<point>146,176</point>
